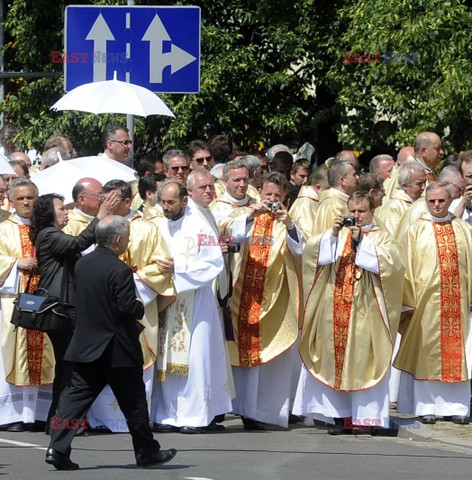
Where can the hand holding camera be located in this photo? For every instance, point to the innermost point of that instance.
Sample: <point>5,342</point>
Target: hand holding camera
<point>346,221</point>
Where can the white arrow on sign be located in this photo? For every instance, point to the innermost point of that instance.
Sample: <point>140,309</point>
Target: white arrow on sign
<point>156,34</point>
<point>100,33</point>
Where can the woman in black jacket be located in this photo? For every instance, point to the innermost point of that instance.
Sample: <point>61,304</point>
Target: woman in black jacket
<point>57,254</point>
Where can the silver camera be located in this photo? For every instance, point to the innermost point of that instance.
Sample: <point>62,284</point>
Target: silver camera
<point>274,206</point>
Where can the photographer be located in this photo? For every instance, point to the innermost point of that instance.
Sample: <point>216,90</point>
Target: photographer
<point>353,276</point>
<point>264,306</point>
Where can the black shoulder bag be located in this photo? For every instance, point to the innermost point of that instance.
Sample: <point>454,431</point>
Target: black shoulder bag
<point>39,310</point>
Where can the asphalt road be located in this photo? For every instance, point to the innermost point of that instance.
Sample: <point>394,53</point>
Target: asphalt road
<point>299,454</point>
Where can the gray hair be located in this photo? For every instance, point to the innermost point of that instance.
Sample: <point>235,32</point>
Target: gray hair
<point>252,164</point>
<point>374,164</point>
<point>336,171</point>
<point>437,186</point>
<point>201,172</point>
<point>175,152</point>
<point>109,228</point>
<point>51,157</point>
<point>406,171</point>
<point>21,182</point>
<point>233,165</point>
<point>276,149</point>
<point>449,174</point>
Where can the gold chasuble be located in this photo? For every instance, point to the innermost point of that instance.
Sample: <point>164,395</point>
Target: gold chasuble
<point>390,184</point>
<point>332,203</point>
<point>438,285</point>
<point>78,222</point>
<point>145,246</point>
<point>265,301</point>
<point>351,314</point>
<point>152,212</point>
<point>304,208</point>
<point>391,211</point>
<point>4,215</point>
<point>28,356</point>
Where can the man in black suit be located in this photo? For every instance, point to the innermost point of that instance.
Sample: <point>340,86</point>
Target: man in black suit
<point>106,350</point>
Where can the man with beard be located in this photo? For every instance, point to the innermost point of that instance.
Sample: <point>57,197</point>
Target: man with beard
<point>191,367</point>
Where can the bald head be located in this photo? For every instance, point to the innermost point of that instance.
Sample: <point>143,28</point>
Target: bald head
<point>428,148</point>
<point>347,156</point>
<point>173,199</point>
<point>404,154</point>
<point>88,195</point>
<point>15,156</point>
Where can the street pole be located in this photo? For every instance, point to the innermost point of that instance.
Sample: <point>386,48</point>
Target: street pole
<point>2,64</point>
<point>130,118</point>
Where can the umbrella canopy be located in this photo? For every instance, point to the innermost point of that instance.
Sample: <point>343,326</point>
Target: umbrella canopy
<point>5,167</point>
<point>113,96</point>
<point>61,177</point>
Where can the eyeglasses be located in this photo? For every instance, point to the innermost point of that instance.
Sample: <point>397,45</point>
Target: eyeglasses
<point>202,159</point>
<point>98,196</point>
<point>176,169</point>
<point>125,143</point>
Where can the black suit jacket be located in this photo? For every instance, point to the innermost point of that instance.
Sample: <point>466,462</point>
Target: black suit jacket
<point>57,255</point>
<point>107,310</point>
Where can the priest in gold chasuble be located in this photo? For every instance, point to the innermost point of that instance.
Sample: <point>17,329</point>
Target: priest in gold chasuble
<point>342,179</point>
<point>433,354</point>
<point>264,306</point>
<point>352,283</point>
<point>27,358</point>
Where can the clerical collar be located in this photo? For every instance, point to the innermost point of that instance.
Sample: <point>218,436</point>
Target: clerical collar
<point>367,228</point>
<point>426,168</point>
<point>447,218</point>
<point>235,201</point>
<point>339,191</point>
<point>23,220</point>
<point>83,214</point>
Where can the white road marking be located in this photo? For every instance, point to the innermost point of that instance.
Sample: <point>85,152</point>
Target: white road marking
<point>197,478</point>
<point>22,444</point>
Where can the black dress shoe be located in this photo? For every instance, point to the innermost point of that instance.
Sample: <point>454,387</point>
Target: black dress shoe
<point>214,427</point>
<point>460,420</point>
<point>16,427</point>
<point>191,430</point>
<point>164,428</point>
<point>60,461</point>
<point>339,430</point>
<point>250,424</point>
<point>428,419</point>
<point>292,419</point>
<point>159,458</point>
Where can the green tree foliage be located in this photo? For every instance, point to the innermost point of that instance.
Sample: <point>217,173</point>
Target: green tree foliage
<point>273,70</point>
<point>395,99</point>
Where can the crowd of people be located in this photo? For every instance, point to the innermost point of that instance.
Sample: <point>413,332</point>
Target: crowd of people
<point>267,286</point>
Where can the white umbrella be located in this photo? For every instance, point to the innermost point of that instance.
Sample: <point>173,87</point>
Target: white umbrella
<point>5,167</point>
<point>113,96</point>
<point>61,177</point>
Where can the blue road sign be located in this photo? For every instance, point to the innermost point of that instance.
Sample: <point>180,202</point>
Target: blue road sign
<point>155,47</point>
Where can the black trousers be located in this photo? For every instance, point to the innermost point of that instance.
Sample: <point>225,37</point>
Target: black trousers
<point>88,380</point>
<point>60,340</point>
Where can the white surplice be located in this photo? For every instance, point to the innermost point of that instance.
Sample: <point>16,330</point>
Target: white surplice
<point>195,399</point>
